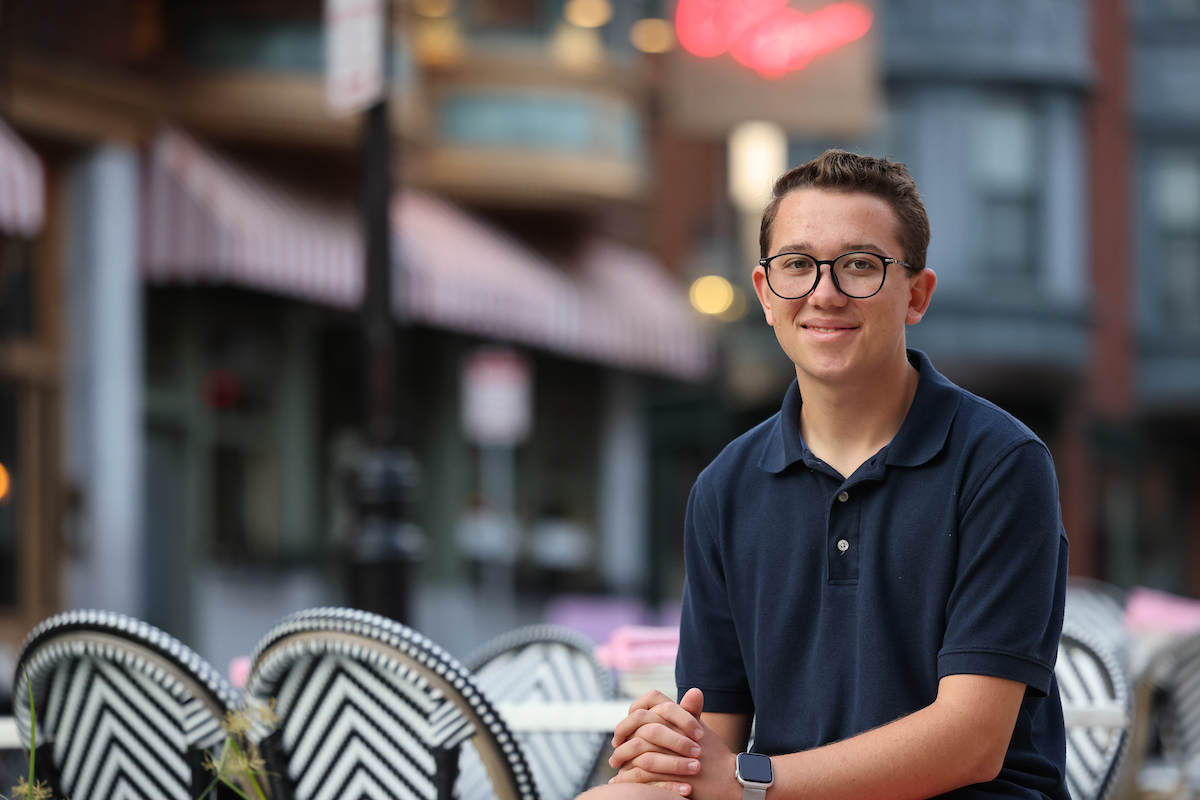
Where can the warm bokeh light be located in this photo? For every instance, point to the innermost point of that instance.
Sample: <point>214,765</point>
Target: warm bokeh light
<point>576,48</point>
<point>652,35</point>
<point>758,154</point>
<point>587,13</point>
<point>433,8</point>
<point>437,42</point>
<point>737,307</point>
<point>5,484</point>
<point>711,294</point>
<point>766,35</point>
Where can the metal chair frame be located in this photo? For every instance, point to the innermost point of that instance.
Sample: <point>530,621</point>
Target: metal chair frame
<point>123,709</point>
<point>1090,678</point>
<point>394,692</point>
<point>548,664</point>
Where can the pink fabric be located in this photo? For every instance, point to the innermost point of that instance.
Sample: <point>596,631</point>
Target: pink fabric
<point>1150,610</point>
<point>239,671</point>
<point>632,647</point>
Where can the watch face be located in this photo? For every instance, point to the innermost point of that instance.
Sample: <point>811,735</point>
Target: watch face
<point>754,768</point>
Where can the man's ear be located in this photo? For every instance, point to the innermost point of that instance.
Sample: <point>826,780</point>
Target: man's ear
<point>921,288</point>
<point>764,293</point>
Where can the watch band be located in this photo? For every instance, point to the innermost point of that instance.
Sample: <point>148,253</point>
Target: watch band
<point>753,793</point>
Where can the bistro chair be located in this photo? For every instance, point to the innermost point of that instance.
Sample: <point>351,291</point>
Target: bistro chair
<point>542,667</point>
<point>1095,696</point>
<point>123,709</point>
<point>1170,686</point>
<point>1099,608</point>
<point>369,708</point>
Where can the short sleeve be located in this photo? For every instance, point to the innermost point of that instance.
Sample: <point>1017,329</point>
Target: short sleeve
<point>1004,615</point>
<point>709,654</point>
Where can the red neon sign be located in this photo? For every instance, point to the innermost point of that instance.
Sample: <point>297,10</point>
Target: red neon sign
<point>766,35</point>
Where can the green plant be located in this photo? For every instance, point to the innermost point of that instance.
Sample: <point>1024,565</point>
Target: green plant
<point>239,766</point>
<point>31,790</point>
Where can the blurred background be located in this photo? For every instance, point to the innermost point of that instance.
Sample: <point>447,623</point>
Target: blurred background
<point>574,190</point>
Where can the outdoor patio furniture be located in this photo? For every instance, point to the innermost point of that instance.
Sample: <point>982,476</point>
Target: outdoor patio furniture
<point>539,668</point>
<point>1095,697</point>
<point>1099,608</point>
<point>369,707</point>
<point>123,709</point>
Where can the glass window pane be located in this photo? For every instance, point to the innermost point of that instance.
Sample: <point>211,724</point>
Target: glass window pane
<point>1181,273</point>
<point>1008,238</point>
<point>1005,146</point>
<point>16,288</point>
<point>1175,190</point>
<point>248,504</point>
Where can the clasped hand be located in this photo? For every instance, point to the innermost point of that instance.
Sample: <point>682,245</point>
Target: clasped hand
<point>665,744</point>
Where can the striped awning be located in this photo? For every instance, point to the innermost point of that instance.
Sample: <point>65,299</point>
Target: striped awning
<point>620,307</point>
<point>22,186</point>
<point>206,219</point>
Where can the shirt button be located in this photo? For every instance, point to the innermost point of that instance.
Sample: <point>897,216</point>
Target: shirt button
<point>843,497</point>
<point>843,545</point>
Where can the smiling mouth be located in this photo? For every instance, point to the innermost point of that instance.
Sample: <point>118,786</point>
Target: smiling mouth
<point>824,330</point>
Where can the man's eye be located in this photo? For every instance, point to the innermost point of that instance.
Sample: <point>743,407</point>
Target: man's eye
<point>861,264</point>
<point>795,264</point>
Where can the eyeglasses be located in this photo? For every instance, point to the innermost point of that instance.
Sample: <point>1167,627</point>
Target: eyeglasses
<point>858,275</point>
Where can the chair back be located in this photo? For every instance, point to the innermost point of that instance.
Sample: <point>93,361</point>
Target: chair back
<point>1095,697</point>
<point>1099,608</point>
<point>368,707</point>
<point>123,709</point>
<point>545,664</point>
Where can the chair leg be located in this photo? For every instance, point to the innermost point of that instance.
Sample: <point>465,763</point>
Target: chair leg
<point>445,760</point>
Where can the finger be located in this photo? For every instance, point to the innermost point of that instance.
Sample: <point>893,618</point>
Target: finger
<point>639,775</point>
<point>683,720</point>
<point>671,786</point>
<point>693,702</point>
<point>670,714</point>
<point>649,700</point>
<point>655,738</point>
<point>630,750</point>
<point>638,717</point>
<point>668,764</point>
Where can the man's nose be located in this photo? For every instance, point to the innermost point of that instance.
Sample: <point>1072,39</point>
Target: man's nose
<point>826,291</point>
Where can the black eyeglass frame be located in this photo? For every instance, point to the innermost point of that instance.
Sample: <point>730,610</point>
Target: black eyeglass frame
<point>765,263</point>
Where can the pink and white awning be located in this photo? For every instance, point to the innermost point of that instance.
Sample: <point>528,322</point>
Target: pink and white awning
<point>620,308</point>
<point>22,186</point>
<point>207,219</point>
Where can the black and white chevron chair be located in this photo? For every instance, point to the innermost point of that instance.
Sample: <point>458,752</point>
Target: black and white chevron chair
<point>123,709</point>
<point>546,664</point>
<point>1096,704</point>
<point>1174,676</point>
<point>370,709</point>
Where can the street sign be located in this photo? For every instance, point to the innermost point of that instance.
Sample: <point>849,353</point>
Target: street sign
<point>354,54</point>
<point>497,397</point>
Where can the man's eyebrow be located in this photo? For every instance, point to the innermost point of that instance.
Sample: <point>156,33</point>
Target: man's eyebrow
<point>805,247</point>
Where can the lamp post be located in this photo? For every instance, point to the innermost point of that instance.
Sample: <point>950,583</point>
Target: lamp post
<point>386,544</point>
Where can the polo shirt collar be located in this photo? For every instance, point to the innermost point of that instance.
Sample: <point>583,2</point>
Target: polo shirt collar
<point>919,439</point>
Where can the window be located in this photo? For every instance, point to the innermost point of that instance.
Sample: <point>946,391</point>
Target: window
<point>1175,206</point>
<point>16,288</point>
<point>1005,168</point>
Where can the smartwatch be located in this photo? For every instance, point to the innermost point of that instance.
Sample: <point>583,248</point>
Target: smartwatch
<point>755,775</point>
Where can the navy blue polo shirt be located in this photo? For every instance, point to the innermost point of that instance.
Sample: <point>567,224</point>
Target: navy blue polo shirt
<point>827,606</point>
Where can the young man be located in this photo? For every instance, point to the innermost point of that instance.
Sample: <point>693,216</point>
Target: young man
<point>875,575</point>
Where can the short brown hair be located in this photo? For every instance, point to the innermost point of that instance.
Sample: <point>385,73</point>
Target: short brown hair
<point>840,171</point>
